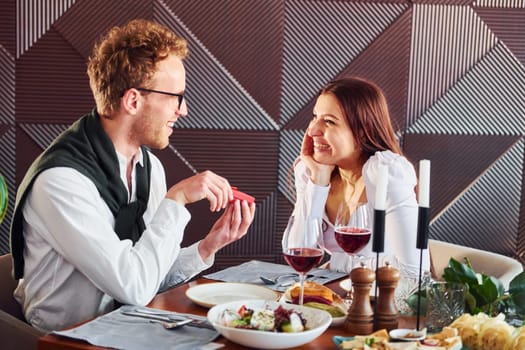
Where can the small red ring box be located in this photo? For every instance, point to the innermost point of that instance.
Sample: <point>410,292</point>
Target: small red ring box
<point>242,196</point>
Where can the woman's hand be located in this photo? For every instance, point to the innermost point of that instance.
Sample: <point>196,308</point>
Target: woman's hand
<point>231,226</point>
<point>320,173</point>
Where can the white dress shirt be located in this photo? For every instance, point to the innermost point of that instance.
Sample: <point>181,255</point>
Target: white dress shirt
<point>400,215</point>
<point>75,264</point>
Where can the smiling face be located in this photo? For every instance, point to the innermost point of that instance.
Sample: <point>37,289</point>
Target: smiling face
<point>334,143</point>
<point>158,112</point>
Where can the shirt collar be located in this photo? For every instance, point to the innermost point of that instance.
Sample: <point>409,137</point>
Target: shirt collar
<point>139,158</point>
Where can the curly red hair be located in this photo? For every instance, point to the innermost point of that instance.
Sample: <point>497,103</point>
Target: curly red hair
<point>127,57</point>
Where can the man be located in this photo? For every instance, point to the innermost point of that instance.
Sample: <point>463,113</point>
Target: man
<point>94,225</point>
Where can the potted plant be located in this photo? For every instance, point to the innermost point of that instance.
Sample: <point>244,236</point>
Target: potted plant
<point>484,293</point>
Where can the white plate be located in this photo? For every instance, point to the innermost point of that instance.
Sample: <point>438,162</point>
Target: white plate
<point>211,294</point>
<point>317,322</point>
<point>336,321</point>
<point>402,334</point>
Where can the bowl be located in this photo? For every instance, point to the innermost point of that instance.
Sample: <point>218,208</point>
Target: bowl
<point>407,334</point>
<point>317,322</point>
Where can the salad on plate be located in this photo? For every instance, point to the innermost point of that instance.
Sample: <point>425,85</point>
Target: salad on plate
<point>278,320</point>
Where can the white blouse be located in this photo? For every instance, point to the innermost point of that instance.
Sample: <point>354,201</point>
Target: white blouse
<point>400,217</point>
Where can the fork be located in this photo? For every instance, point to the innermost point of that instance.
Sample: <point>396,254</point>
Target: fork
<point>275,280</point>
<point>173,324</point>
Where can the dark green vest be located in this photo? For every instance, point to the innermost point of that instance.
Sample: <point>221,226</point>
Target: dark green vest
<point>86,147</point>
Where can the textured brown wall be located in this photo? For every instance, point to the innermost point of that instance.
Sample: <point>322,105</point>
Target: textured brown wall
<point>453,72</point>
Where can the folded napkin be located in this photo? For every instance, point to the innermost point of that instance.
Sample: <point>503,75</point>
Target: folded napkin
<point>119,331</point>
<point>250,272</point>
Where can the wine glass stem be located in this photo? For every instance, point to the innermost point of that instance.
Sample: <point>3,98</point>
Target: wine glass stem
<point>301,281</point>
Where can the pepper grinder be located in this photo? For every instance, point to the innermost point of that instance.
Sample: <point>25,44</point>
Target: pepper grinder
<point>386,311</point>
<point>360,319</point>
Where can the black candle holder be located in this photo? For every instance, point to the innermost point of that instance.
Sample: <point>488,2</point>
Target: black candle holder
<point>378,246</point>
<point>421,244</point>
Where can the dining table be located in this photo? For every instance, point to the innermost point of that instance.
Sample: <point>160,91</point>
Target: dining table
<point>175,299</point>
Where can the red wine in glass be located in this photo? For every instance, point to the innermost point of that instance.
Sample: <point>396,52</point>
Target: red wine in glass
<point>352,239</point>
<point>303,246</point>
<point>352,231</point>
<point>303,260</point>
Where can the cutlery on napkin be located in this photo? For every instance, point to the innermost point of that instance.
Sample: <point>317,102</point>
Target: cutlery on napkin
<point>196,321</point>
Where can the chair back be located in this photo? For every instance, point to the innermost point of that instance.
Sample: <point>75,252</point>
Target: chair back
<point>7,301</point>
<point>15,332</point>
<point>500,266</point>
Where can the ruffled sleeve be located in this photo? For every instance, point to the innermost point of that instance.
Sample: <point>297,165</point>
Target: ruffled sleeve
<point>401,179</point>
<point>401,208</point>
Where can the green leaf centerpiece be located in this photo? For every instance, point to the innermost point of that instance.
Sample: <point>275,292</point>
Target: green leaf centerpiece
<point>484,293</point>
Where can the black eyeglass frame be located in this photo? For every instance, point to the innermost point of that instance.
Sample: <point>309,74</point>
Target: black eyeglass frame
<point>180,96</point>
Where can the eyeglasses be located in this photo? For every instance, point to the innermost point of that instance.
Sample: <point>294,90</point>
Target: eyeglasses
<point>180,96</point>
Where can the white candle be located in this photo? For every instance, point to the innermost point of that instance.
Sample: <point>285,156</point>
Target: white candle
<point>424,183</point>
<point>382,181</point>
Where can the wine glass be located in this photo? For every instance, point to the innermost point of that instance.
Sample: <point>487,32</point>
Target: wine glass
<point>352,229</point>
<point>303,246</point>
<point>352,233</point>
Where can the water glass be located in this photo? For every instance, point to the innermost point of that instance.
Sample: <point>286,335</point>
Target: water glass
<point>445,303</point>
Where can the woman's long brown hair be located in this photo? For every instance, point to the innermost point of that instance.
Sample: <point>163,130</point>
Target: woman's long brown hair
<point>366,110</point>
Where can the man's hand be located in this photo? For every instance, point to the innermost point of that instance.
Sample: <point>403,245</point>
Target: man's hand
<point>231,226</point>
<point>205,185</point>
<point>320,173</point>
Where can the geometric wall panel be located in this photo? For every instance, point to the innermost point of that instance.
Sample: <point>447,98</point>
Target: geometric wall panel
<point>457,162</point>
<point>43,134</point>
<point>98,16</point>
<point>34,18</point>
<point>447,42</point>
<point>215,99</point>
<point>494,4</point>
<point>245,37</point>
<point>7,170</point>
<point>374,63</point>
<point>7,87</point>
<point>489,99</point>
<point>321,39</point>
<point>51,82</point>
<point>508,24</point>
<point>8,26</point>
<point>489,208</point>
<point>248,159</point>
<point>289,150</point>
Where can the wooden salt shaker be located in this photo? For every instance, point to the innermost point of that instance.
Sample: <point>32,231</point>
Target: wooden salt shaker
<point>361,316</point>
<point>386,310</point>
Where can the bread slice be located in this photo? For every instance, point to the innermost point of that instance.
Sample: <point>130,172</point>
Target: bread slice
<point>315,293</point>
<point>313,289</point>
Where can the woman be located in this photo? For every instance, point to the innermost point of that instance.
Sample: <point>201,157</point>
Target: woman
<point>348,138</point>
